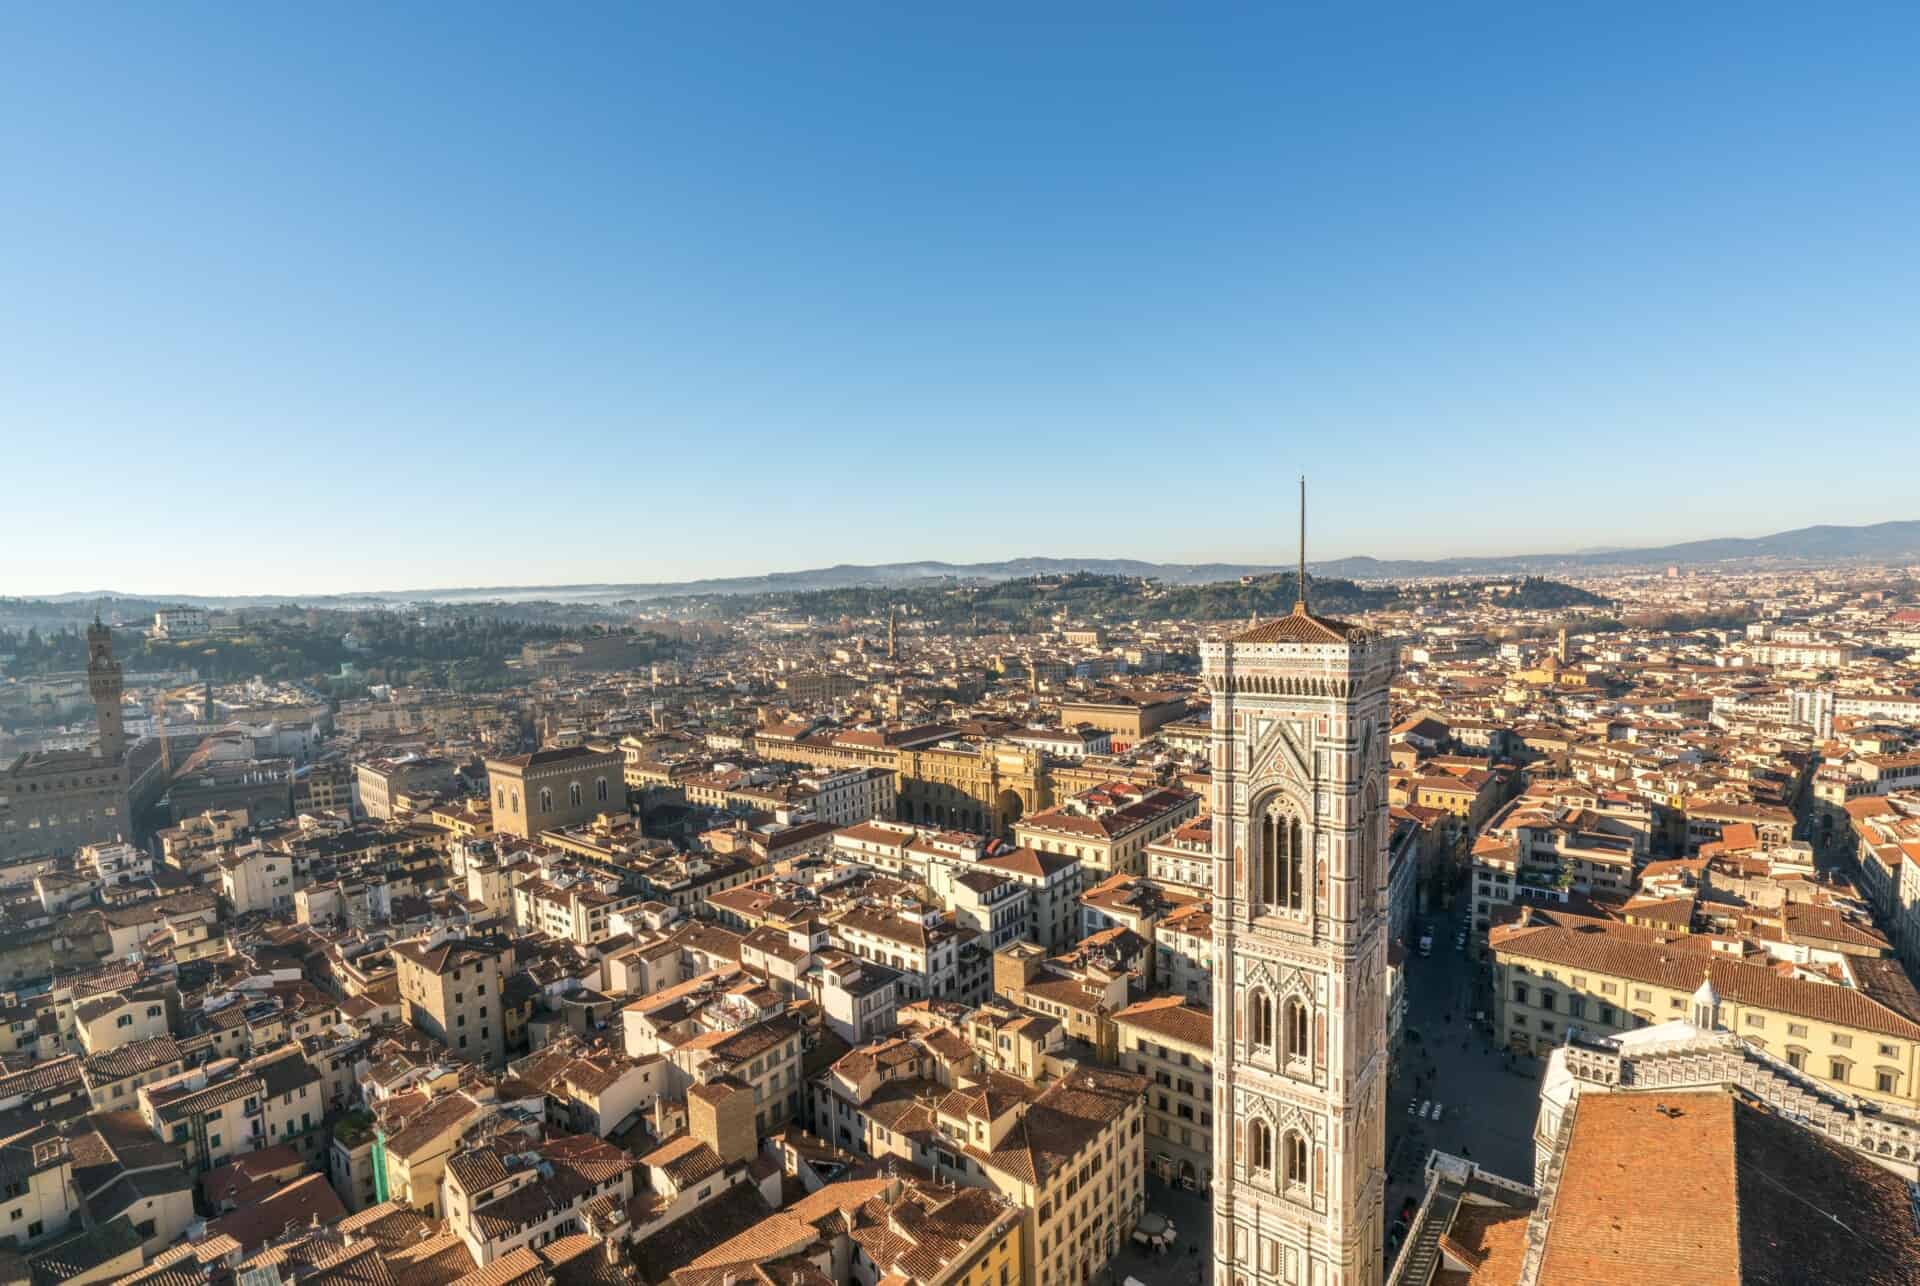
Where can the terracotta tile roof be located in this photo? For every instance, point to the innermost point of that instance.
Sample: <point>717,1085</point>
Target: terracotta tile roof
<point>1028,862</point>
<point>581,1260</point>
<point>391,1223</point>
<point>518,1267</point>
<point>1298,626</point>
<point>306,1198</point>
<point>437,1260</point>
<point>920,1235</point>
<point>1702,1188</point>
<point>1492,1239</point>
<point>1679,963</point>
<point>1171,1017</point>
<point>728,1214</point>
<point>797,1226</point>
<point>1066,1119</point>
<point>684,1159</point>
<point>131,1059</point>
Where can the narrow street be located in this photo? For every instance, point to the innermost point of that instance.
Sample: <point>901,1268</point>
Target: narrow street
<point>1487,1101</point>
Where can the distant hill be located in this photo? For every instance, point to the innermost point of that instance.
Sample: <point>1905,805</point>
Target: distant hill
<point>1886,541</point>
<point>1811,546</point>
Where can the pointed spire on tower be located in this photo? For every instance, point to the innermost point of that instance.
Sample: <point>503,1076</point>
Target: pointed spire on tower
<point>1300,576</point>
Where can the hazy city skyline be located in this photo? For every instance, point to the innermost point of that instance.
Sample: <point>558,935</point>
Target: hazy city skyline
<point>717,295</point>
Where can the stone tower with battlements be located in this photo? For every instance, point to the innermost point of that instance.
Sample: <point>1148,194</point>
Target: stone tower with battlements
<point>104,683</point>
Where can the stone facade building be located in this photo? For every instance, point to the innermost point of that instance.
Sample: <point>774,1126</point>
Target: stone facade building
<point>56,801</point>
<point>1300,724</point>
<point>555,788</point>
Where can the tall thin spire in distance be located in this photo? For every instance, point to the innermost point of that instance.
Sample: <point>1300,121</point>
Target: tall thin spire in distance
<point>1300,577</point>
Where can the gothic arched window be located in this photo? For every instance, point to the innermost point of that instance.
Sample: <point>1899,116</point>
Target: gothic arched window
<point>573,794</point>
<point>1260,1147</point>
<point>546,801</point>
<point>1282,872</point>
<point>600,788</point>
<point>1294,1029</point>
<point>1369,848</point>
<point>1260,1020</point>
<point>1296,1159</point>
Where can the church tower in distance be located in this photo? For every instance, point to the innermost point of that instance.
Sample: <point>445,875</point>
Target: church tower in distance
<point>1300,720</point>
<point>104,682</point>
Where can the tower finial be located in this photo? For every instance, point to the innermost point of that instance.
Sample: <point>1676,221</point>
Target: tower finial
<point>1300,577</point>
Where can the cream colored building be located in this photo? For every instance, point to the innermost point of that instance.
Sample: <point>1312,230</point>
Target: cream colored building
<point>1171,1043</point>
<point>414,1136</point>
<point>1109,828</point>
<point>1556,971</point>
<point>498,1198</point>
<point>1083,1192</point>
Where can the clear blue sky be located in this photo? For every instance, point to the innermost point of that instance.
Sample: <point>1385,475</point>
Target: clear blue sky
<point>323,297</point>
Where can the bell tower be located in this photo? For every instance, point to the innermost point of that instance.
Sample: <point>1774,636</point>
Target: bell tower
<point>104,683</point>
<point>1300,719</point>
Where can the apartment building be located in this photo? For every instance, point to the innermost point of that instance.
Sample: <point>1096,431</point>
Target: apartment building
<point>212,1114</point>
<point>1011,1040</point>
<point>594,1091</point>
<point>382,783</point>
<point>570,907</point>
<point>996,907</point>
<point>878,1099</point>
<point>1109,828</point>
<point>1540,852</point>
<point>38,1202</point>
<point>1556,971</point>
<point>1183,859</point>
<point>114,1077</point>
<point>499,1197</point>
<point>724,1024</point>
<point>1170,1042</point>
<point>113,1019</point>
<point>1078,1176</point>
<point>763,1056</point>
<point>451,989</point>
<point>849,795</point>
<point>1053,881</point>
<point>934,956</point>
<point>859,999</point>
<point>415,1134</point>
<point>1083,999</point>
<point>257,878</point>
<point>1183,952</point>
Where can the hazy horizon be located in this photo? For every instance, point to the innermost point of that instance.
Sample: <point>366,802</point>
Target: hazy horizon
<point>1281,562</point>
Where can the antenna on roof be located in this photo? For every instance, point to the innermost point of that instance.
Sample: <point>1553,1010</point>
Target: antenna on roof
<point>1300,577</point>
